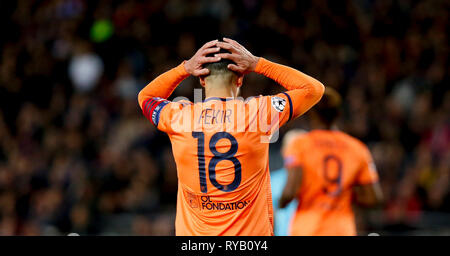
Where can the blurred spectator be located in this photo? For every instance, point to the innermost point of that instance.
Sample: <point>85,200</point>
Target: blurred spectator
<point>85,68</point>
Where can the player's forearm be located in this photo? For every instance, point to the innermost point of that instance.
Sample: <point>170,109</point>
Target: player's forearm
<point>164,84</point>
<point>290,78</point>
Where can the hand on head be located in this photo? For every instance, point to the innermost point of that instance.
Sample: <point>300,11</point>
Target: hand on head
<point>245,61</point>
<point>194,65</point>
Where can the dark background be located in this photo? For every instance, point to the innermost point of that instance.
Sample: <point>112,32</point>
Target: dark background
<point>77,155</point>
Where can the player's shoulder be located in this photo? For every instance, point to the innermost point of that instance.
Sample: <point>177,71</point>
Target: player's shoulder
<point>215,100</point>
<point>253,99</point>
<point>180,104</point>
<point>183,102</point>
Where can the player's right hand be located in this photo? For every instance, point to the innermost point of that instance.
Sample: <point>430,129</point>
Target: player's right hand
<point>194,65</point>
<point>245,60</point>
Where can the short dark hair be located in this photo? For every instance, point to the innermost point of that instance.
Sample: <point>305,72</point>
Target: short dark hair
<point>219,67</point>
<point>328,108</point>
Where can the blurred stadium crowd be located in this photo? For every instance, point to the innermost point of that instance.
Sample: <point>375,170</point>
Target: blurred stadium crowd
<point>77,155</point>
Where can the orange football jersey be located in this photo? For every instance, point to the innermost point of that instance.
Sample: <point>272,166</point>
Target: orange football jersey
<point>220,147</point>
<point>332,164</point>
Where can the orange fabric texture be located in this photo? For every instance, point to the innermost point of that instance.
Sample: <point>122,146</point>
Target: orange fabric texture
<point>332,163</point>
<point>298,84</point>
<point>163,85</point>
<point>220,150</point>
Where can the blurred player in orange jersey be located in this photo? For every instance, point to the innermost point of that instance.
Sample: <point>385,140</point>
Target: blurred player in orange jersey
<point>325,167</point>
<point>220,145</point>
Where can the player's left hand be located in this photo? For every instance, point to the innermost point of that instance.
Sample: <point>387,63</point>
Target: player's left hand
<point>194,65</point>
<point>245,61</point>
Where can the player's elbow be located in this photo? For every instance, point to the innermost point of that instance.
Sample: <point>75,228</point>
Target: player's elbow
<point>141,97</point>
<point>315,91</point>
<point>318,91</point>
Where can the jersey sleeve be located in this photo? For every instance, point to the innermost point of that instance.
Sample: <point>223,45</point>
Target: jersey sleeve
<point>368,173</point>
<point>271,113</point>
<point>163,113</point>
<point>276,110</point>
<point>279,109</point>
<point>152,108</point>
<point>302,93</point>
<point>289,105</point>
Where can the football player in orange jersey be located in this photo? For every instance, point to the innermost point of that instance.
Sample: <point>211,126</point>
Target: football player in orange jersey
<point>220,145</point>
<point>325,167</point>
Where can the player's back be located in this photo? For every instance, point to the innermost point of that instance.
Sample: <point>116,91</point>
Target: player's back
<point>222,167</point>
<point>224,182</point>
<point>332,164</point>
